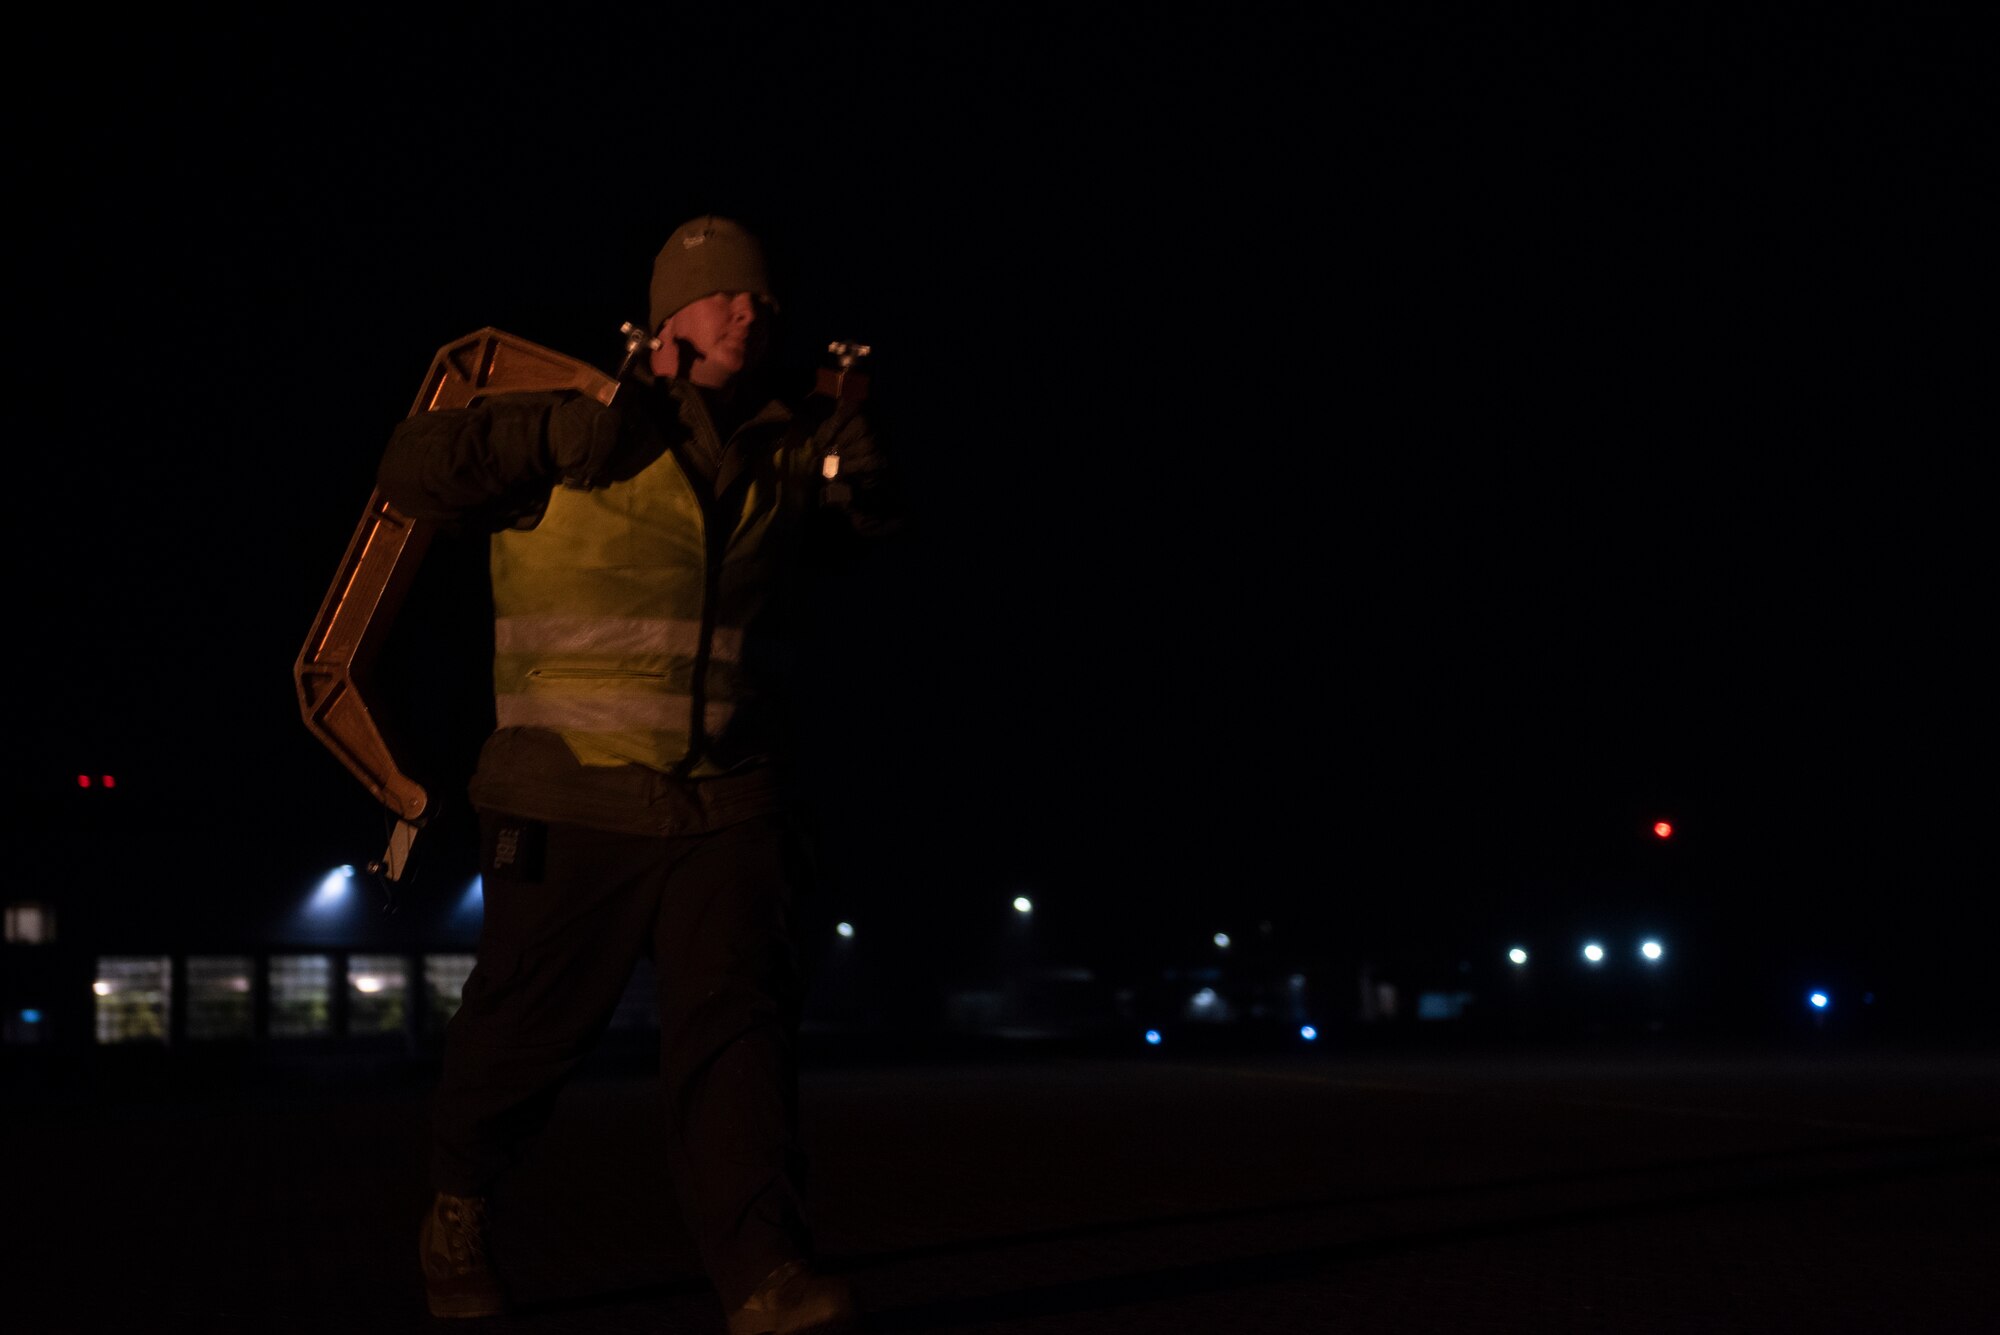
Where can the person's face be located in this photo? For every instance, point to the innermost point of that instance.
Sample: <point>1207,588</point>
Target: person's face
<point>714,339</point>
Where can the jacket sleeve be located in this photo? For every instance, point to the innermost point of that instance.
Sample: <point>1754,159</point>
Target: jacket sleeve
<point>492,465</point>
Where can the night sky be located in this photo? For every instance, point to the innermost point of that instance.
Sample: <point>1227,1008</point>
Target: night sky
<point>1366,469</point>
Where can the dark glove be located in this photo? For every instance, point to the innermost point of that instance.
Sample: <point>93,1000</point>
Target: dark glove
<point>593,445</point>
<point>583,436</point>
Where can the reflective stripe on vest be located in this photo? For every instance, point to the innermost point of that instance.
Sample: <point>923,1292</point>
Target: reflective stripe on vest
<point>608,712</point>
<point>673,636</point>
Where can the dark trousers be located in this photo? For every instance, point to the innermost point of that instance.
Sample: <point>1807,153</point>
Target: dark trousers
<point>568,913</point>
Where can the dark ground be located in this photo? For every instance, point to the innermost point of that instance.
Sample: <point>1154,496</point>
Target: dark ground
<point>1634,1186</point>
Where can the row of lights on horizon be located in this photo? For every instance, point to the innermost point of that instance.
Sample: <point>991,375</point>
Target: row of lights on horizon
<point>1593,953</point>
<point>333,889</point>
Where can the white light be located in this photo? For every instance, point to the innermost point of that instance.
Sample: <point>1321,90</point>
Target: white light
<point>1153,1037</point>
<point>1518,955</point>
<point>1593,952</point>
<point>1203,999</point>
<point>102,988</point>
<point>845,929</point>
<point>1021,904</point>
<point>1222,940</point>
<point>367,983</point>
<point>1819,1001</point>
<point>1651,950</point>
<point>331,891</point>
<point>1308,1033</point>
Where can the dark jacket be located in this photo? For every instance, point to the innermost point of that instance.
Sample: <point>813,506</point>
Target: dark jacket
<point>698,554</point>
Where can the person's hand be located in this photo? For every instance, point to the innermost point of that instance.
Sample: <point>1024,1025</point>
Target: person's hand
<point>593,445</point>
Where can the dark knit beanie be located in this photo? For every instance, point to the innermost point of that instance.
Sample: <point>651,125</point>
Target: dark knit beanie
<point>704,255</point>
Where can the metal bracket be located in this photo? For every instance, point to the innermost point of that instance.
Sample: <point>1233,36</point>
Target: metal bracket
<point>396,858</point>
<point>636,341</point>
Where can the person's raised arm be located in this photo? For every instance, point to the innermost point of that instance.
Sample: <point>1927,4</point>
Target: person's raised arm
<point>493,464</point>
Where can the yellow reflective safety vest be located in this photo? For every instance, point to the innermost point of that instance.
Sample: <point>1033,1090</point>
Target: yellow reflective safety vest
<point>635,624</point>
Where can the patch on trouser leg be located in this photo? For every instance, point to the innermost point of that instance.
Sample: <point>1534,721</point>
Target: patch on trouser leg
<point>515,850</point>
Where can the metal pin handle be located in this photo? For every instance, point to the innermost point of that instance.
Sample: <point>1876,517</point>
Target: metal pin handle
<point>848,353</point>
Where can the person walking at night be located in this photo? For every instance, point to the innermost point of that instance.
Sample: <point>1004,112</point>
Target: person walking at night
<point>637,795</point>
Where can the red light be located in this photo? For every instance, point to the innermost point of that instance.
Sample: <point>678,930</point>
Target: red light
<point>83,781</point>
<point>1662,829</point>
<point>110,782</point>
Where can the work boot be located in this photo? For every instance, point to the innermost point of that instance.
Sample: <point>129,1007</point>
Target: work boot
<point>458,1274</point>
<point>795,1299</point>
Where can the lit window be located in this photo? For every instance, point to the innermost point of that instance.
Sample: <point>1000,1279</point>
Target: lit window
<point>133,998</point>
<point>30,924</point>
<point>218,996</point>
<point>444,979</point>
<point>301,986</point>
<point>378,989</point>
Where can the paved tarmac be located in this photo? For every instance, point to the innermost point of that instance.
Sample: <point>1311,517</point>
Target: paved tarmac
<point>1620,1187</point>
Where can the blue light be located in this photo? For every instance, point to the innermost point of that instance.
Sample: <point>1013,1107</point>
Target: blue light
<point>31,1016</point>
<point>331,892</point>
<point>1819,1001</point>
<point>470,910</point>
<point>1308,1033</point>
<point>1153,1037</point>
